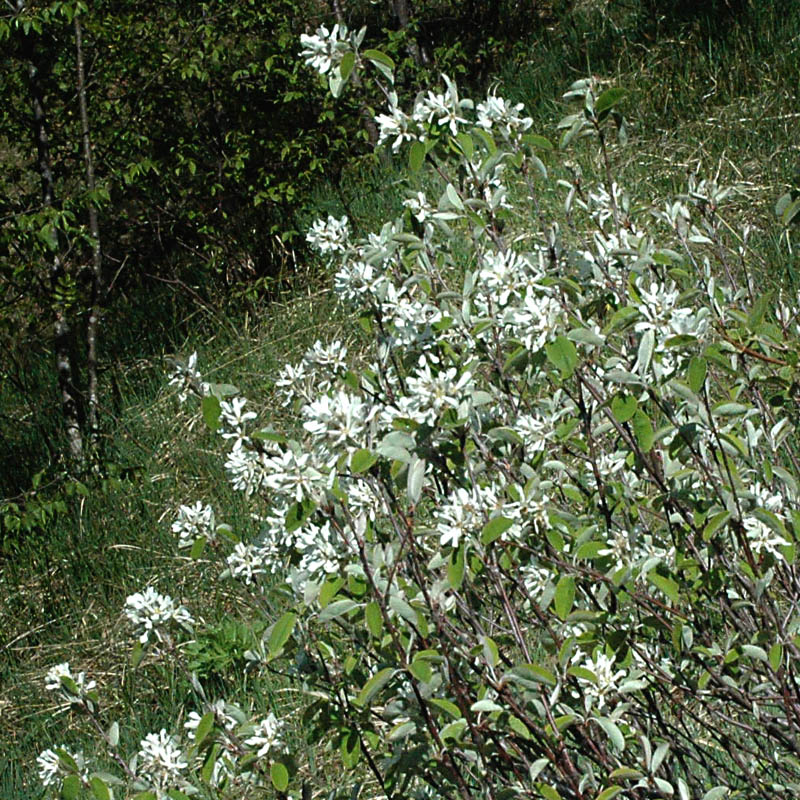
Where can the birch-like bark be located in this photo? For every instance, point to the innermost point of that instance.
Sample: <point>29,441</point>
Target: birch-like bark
<point>92,327</point>
<point>62,333</point>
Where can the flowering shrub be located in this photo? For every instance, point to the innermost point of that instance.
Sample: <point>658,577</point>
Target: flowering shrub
<point>543,543</point>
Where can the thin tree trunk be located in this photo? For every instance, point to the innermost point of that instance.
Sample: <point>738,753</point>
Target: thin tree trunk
<point>92,327</point>
<point>62,333</point>
<point>403,12</point>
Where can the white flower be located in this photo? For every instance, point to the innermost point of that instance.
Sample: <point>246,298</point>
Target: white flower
<point>53,767</point>
<point>188,379</point>
<point>419,207</point>
<point>291,474</point>
<point>151,612</point>
<point>294,381</point>
<point>54,683</point>
<point>461,515</point>
<point>235,418</point>
<point>160,762</point>
<point>194,522</point>
<point>762,538</point>
<point>496,111</point>
<point>266,736</point>
<point>606,679</point>
<point>322,550</point>
<point>356,279</point>
<point>246,470</point>
<point>221,715</point>
<point>246,561</point>
<point>339,420</point>
<point>395,125</point>
<point>325,49</point>
<point>445,108</point>
<point>328,236</point>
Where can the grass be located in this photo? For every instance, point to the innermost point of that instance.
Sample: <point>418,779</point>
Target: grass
<point>713,96</point>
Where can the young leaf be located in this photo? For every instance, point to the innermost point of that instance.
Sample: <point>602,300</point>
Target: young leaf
<point>281,631</point>
<point>99,788</point>
<point>562,354</point>
<point>211,412</point>
<point>416,156</point>
<point>608,99</point>
<point>374,619</point>
<point>494,529</point>
<point>279,776</point>
<point>564,596</point>
<point>643,430</point>
<point>698,367</point>
<point>623,407</point>
<point>374,685</point>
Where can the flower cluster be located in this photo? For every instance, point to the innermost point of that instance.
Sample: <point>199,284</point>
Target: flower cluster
<point>152,614</point>
<point>193,523</point>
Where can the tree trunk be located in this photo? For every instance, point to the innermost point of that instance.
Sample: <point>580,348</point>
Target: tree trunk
<point>404,13</point>
<point>62,333</point>
<point>92,326</point>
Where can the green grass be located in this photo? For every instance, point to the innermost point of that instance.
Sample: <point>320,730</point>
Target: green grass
<point>709,94</point>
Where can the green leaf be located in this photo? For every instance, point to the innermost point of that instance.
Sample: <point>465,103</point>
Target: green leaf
<point>562,354</point>
<point>137,653</point>
<point>350,748</point>
<point>416,156</point>
<point>548,792</point>
<point>281,631</point>
<point>643,430</point>
<point>494,529</point>
<point>416,477</point>
<point>490,651</point>
<point>298,513</point>
<point>197,548</point>
<point>374,685</point>
<point>530,675</point>
<point>666,585</point>
<point>361,461</point>
<point>346,65</point>
<point>714,524</point>
<point>329,590</point>
<point>204,727</point>
<point>776,656</point>
<point>623,407</point>
<point>447,706</point>
<point>378,57</point>
<point>608,793</point>
<point>540,142</point>
<point>716,793</point>
<point>374,619</point>
<point>336,609</point>
<point>453,198</point>
<point>613,732</point>
<point>279,776</point>
<point>71,788</point>
<point>698,368</point>
<point>760,308</point>
<point>99,788</point>
<point>608,99</point>
<point>455,568</point>
<point>421,670</point>
<point>564,596</point>
<point>112,734</point>
<point>790,212</point>
<point>211,412</point>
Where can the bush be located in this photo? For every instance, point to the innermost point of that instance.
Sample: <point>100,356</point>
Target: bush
<point>540,542</point>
